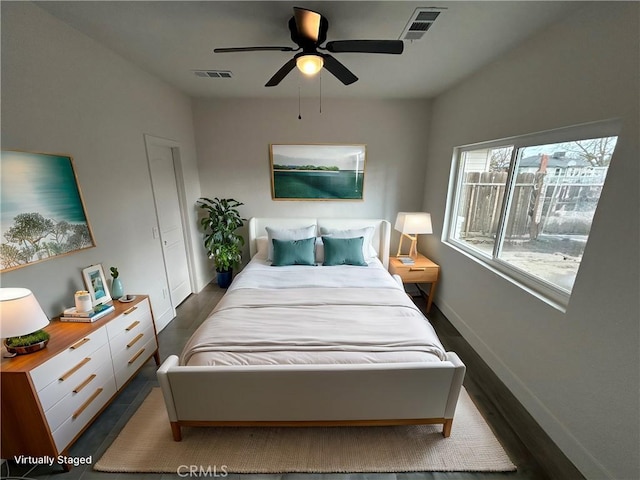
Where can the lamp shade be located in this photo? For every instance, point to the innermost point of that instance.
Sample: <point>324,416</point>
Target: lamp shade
<point>20,313</point>
<point>412,223</point>
<point>309,64</point>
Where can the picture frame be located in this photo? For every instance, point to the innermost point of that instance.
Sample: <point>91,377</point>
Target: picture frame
<point>43,215</point>
<point>96,284</point>
<point>317,172</point>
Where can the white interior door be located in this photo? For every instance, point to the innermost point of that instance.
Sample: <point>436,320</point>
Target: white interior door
<point>165,192</point>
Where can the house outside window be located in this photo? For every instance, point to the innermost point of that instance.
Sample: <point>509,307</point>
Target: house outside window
<point>524,206</point>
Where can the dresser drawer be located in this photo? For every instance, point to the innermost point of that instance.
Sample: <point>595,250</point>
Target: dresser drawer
<point>73,377</point>
<point>130,338</point>
<point>99,395</point>
<point>127,362</point>
<point>138,315</point>
<point>56,367</point>
<point>78,394</point>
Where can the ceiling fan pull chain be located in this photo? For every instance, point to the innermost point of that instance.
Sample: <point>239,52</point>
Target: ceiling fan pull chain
<point>320,93</point>
<point>299,116</point>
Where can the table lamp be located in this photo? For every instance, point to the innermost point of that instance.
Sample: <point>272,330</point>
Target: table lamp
<point>21,321</point>
<point>410,225</point>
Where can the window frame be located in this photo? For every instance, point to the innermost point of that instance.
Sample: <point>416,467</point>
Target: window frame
<point>540,288</point>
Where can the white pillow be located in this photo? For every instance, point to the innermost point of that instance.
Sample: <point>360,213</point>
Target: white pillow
<point>368,252</point>
<point>262,247</point>
<point>319,251</point>
<point>288,234</point>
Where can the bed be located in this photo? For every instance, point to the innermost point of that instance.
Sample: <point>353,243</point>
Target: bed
<point>305,344</point>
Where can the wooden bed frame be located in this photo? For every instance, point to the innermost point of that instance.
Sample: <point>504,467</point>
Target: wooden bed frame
<point>313,395</point>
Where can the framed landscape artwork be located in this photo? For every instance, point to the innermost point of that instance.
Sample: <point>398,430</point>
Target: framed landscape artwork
<point>43,214</point>
<point>317,172</point>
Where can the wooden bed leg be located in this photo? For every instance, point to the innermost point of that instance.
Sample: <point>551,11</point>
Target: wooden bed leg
<point>175,430</point>
<point>446,428</point>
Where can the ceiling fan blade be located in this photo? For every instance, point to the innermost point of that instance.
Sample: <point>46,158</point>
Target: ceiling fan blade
<point>307,23</point>
<point>254,49</point>
<point>338,70</point>
<point>280,74</point>
<point>366,46</point>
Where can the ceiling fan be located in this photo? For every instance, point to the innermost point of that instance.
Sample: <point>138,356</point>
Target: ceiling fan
<point>309,31</point>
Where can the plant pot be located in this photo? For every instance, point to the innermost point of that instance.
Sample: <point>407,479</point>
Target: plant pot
<point>34,347</point>
<point>116,288</point>
<point>224,278</point>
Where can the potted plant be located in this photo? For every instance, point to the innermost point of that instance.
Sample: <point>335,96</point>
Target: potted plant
<point>220,238</point>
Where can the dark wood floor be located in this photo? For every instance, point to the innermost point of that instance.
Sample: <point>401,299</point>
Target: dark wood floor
<point>528,446</point>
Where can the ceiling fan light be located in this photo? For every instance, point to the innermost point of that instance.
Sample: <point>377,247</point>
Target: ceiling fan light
<point>309,64</point>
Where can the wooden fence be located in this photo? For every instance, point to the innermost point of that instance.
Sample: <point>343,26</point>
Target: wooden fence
<point>541,203</point>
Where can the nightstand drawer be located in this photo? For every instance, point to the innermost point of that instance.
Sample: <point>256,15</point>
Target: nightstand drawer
<point>416,274</point>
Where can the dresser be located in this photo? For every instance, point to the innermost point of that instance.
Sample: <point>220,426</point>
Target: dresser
<point>50,397</point>
<point>422,270</point>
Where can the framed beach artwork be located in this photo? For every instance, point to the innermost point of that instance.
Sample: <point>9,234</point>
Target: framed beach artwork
<point>43,214</point>
<point>317,172</point>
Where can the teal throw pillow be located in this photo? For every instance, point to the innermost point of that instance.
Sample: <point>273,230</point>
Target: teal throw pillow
<point>343,251</point>
<point>294,252</point>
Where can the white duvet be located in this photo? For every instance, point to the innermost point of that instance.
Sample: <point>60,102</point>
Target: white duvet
<point>313,315</point>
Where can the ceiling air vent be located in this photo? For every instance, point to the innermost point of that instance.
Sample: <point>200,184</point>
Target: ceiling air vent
<point>213,73</point>
<point>420,22</point>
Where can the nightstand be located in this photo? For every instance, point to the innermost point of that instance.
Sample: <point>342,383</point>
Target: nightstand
<point>422,271</point>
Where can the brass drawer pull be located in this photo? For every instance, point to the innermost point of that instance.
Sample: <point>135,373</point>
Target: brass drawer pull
<point>84,406</point>
<point>135,340</point>
<point>79,344</point>
<point>74,369</point>
<point>135,357</point>
<point>417,269</point>
<point>132,326</point>
<point>129,310</point>
<point>85,383</point>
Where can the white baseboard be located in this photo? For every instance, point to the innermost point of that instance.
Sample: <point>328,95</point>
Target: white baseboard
<point>563,438</point>
<point>164,318</point>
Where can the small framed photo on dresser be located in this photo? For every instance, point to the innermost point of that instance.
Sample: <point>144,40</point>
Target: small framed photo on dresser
<point>96,284</point>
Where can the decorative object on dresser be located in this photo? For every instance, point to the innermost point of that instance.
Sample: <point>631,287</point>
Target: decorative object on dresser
<point>34,185</point>
<point>22,321</point>
<point>96,284</point>
<point>50,397</point>
<point>96,313</point>
<point>422,270</point>
<point>317,172</point>
<point>220,238</point>
<point>410,225</point>
<point>83,302</point>
<point>116,284</point>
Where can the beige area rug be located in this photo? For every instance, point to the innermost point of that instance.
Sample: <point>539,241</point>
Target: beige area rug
<point>145,445</point>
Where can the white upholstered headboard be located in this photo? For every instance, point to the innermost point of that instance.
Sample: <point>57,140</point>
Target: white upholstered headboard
<point>380,240</point>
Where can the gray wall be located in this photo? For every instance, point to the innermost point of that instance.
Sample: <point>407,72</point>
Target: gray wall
<point>576,372</point>
<point>233,138</point>
<point>64,93</point>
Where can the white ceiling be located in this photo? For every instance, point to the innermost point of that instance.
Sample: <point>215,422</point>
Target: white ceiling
<point>171,39</point>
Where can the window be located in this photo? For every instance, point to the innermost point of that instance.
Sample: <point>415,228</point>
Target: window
<point>525,205</point>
